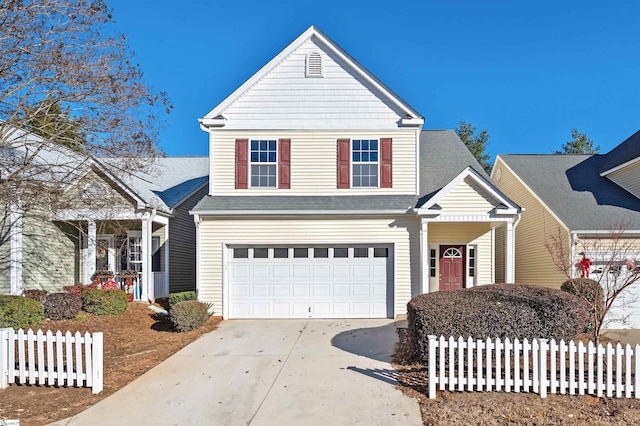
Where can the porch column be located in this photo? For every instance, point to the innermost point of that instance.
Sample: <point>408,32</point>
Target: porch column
<point>147,279</point>
<point>424,256</point>
<point>90,254</point>
<point>166,256</point>
<point>15,220</point>
<point>509,248</point>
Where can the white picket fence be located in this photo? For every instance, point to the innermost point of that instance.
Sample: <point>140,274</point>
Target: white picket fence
<point>539,366</point>
<point>51,359</point>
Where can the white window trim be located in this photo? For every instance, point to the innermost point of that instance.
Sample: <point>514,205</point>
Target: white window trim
<point>251,163</point>
<point>135,234</point>
<point>111,252</point>
<point>352,163</point>
<point>472,281</point>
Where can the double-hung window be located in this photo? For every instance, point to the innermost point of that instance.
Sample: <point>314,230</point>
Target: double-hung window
<point>365,165</point>
<point>263,161</point>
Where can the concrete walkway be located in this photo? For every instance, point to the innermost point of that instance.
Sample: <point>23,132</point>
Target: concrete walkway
<point>278,372</point>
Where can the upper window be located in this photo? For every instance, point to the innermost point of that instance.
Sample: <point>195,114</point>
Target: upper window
<point>364,156</point>
<point>314,65</point>
<point>264,160</point>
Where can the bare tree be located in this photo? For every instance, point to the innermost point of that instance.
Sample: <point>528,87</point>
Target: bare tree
<point>611,262</point>
<point>67,76</point>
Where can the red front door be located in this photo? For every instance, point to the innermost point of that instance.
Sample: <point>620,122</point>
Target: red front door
<point>451,267</point>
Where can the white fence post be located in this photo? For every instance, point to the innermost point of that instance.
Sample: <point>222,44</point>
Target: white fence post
<point>97,362</point>
<point>542,368</point>
<point>432,366</point>
<point>5,333</point>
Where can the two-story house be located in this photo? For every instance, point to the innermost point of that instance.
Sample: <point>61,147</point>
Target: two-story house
<point>327,199</point>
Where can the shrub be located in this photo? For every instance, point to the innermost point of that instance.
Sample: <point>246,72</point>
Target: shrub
<point>188,315</point>
<point>76,289</point>
<point>39,295</point>
<point>62,306</point>
<point>104,302</point>
<point>182,297</point>
<point>20,312</point>
<point>499,310</point>
<point>586,288</point>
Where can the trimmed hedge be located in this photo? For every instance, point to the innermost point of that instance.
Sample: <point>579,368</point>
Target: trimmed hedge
<point>499,310</point>
<point>62,306</point>
<point>104,302</point>
<point>183,296</point>
<point>20,312</point>
<point>76,289</point>
<point>39,295</point>
<point>588,289</point>
<point>189,315</point>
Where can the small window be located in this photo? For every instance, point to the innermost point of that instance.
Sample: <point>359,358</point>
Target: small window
<point>432,262</point>
<point>320,252</point>
<point>280,253</point>
<point>361,252</point>
<point>380,252</point>
<point>340,252</point>
<point>260,253</point>
<point>314,65</point>
<point>300,252</point>
<point>263,163</point>
<point>240,253</point>
<point>364,158</point>
<point>472,261</point>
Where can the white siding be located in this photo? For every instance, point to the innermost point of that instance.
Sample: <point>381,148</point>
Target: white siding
<point>628,178</point>
<point>313,162</point>
<point>286,99</point>
<point>467,197</point>
<point>403,233</point>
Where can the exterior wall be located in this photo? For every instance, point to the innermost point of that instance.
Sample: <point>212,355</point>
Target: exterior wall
<point>478,234</point>
<point>501,253</point>
<point>158,231</point>
<point>467,197</point>
<point>5,252</point>
<point>286,99</point>
<point>402,232</point>
<point>313,162</point>
<point>628,177</point>
<point>182,245</point>
<point>534,265</point>
<point>91,191</point>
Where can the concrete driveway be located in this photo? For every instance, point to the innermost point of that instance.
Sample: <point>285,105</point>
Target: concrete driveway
<point>277,372</point>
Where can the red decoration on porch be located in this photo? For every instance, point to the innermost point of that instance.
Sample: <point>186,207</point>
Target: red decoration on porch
<point>110,285</point>
<point>585,264</point>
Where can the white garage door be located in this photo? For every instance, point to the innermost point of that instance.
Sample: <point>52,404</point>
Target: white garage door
<point>310,282</point>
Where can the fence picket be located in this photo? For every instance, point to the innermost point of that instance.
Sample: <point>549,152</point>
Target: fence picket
<point>591,351</point>
<point>441,346</point>
<point>11,358</point>
<point>581,378</point>
<point>479,372</point>
<point>21,356</point>
<point>507,365</point>
<point>627,371</point>
<point>40,343</point>
<point>498,375</point>
<point>516,365</point>
<point>88,342</point>
<point>69,357</point>
<point>526,383</point>
<point>563,367</point>
<point>50,364</point>
<point>553,367</point>
<point>609,385</point>
<point>535,364</point>
<point>572,368</point>
<point>31,372</point>
<point>431,365</point>
<point>636,387</point>
<point>600,361</point>
<point>452,353</point>
<point>618,384</point>
<point>461,378</point>
<point>542,368</point>
<point>489,370</point>
<point>59,373</point>
<point>78,356</point>
<point>470,375</point>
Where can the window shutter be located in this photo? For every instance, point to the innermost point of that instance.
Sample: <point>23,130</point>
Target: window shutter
<point>385,163</point>
<point>242,163</point>
<point>284,163</point>
<point>344,152</point>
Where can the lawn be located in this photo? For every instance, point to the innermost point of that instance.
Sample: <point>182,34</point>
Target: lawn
<point>134,342</point>
<point>500,408</point>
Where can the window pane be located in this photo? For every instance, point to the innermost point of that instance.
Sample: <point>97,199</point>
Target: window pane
<point>361,252</point>
<point>255,181</point>
<point>341,252</point>
<point>254,145</point>
<point>280,253</point>
<point>373,156</point>
<point>272,156</point>
<point>365,156</point>
<point>356,145</point>
<point>380,252</point>
<point>240,253</point>
<point>356,156</point>
<point>260,253</point>
<point>264,181</point>
<point>263,157</point>
<point>321,252</point>
<point>263,145</point>
<point>356,181</point>
<point>254,157</point>
<point>272,145</point>
<point>301,252</point>
<point>365,145</point>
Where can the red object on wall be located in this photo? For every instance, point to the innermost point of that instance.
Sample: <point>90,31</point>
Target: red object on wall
<point>344,152</point>
<point>110,285</point>
<point>585,264</point>
<point>284,163</point>
<point>385,163</point>
<point>242,163</point>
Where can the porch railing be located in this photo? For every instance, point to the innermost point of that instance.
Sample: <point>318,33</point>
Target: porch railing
<point>131,285</point>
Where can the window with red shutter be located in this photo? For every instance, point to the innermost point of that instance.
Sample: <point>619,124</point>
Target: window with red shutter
<point>344,152</point>
<point>242,163</point>
<point>284,163</point>
<point>385,163</point>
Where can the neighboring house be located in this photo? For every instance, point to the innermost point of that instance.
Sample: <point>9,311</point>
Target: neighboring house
<point>582,197</point>
<point>327,199</point>
<point>112,221</point>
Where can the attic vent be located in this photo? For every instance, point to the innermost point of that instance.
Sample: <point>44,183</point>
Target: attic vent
<point>314,65</point>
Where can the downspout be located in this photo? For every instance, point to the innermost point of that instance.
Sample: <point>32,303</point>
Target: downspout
<point>573,241</point>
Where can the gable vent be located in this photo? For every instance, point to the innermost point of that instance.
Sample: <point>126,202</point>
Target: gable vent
<point>314,65</point>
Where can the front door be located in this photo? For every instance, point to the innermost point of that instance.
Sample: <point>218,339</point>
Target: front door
<point>451,267</point>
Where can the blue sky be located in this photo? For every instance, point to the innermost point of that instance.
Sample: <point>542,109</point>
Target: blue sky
<point>527,72</point>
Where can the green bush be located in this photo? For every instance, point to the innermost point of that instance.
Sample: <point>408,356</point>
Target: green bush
<point>189,315</point>
<point>499,310</point>
<point>39,295</point>
<point>62,306</point>
<point>104,302</point>
<point>20,312</point>
<point>182,297</point>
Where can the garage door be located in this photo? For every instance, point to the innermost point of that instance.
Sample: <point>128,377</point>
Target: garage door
<point>310,282</point>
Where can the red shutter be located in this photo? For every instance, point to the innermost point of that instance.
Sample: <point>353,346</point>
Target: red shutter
<point>284,163</point>
<point>385,163</point>
<point>344,152</point>
<point>242,163</point>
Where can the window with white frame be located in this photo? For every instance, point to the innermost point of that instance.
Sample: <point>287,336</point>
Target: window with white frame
<point>134,251</point>
<point>263,160</point>
<point>365,166</point>
<point>472,263</point>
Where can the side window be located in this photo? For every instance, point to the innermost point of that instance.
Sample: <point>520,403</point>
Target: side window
<point>364,157</point>
<point>263,161</point>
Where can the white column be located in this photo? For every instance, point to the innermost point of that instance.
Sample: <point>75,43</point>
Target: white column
<point>509,261</point>
<point>424,256</point>
<point>90,254</point>
<point>15,218</point>
<point>147,279</point>
<point>196,220</point>
<point>166,256</point>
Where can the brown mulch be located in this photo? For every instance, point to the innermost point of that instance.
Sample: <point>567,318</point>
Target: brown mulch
<point>501,408</point>
<point>134,343</point>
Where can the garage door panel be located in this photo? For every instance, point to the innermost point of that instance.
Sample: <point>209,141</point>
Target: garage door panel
<point>280,271</point>
<point>361,271</point>
<point>321,290</point>
<point>281,290</point>
<point>300,290</point>
<point>361,289</point>
<point>240,271</point>
<point>341,290</point>
<point>321,271</point>
<point>261,290</point>
<point>301,271</point>
<point>241,290</point>
<point>341,271</point>
<point>261,271</point>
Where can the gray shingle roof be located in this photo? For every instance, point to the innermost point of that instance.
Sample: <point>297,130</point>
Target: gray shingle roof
<point>570,185</point>
<point>442,157</point>
<point>626,151</point>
